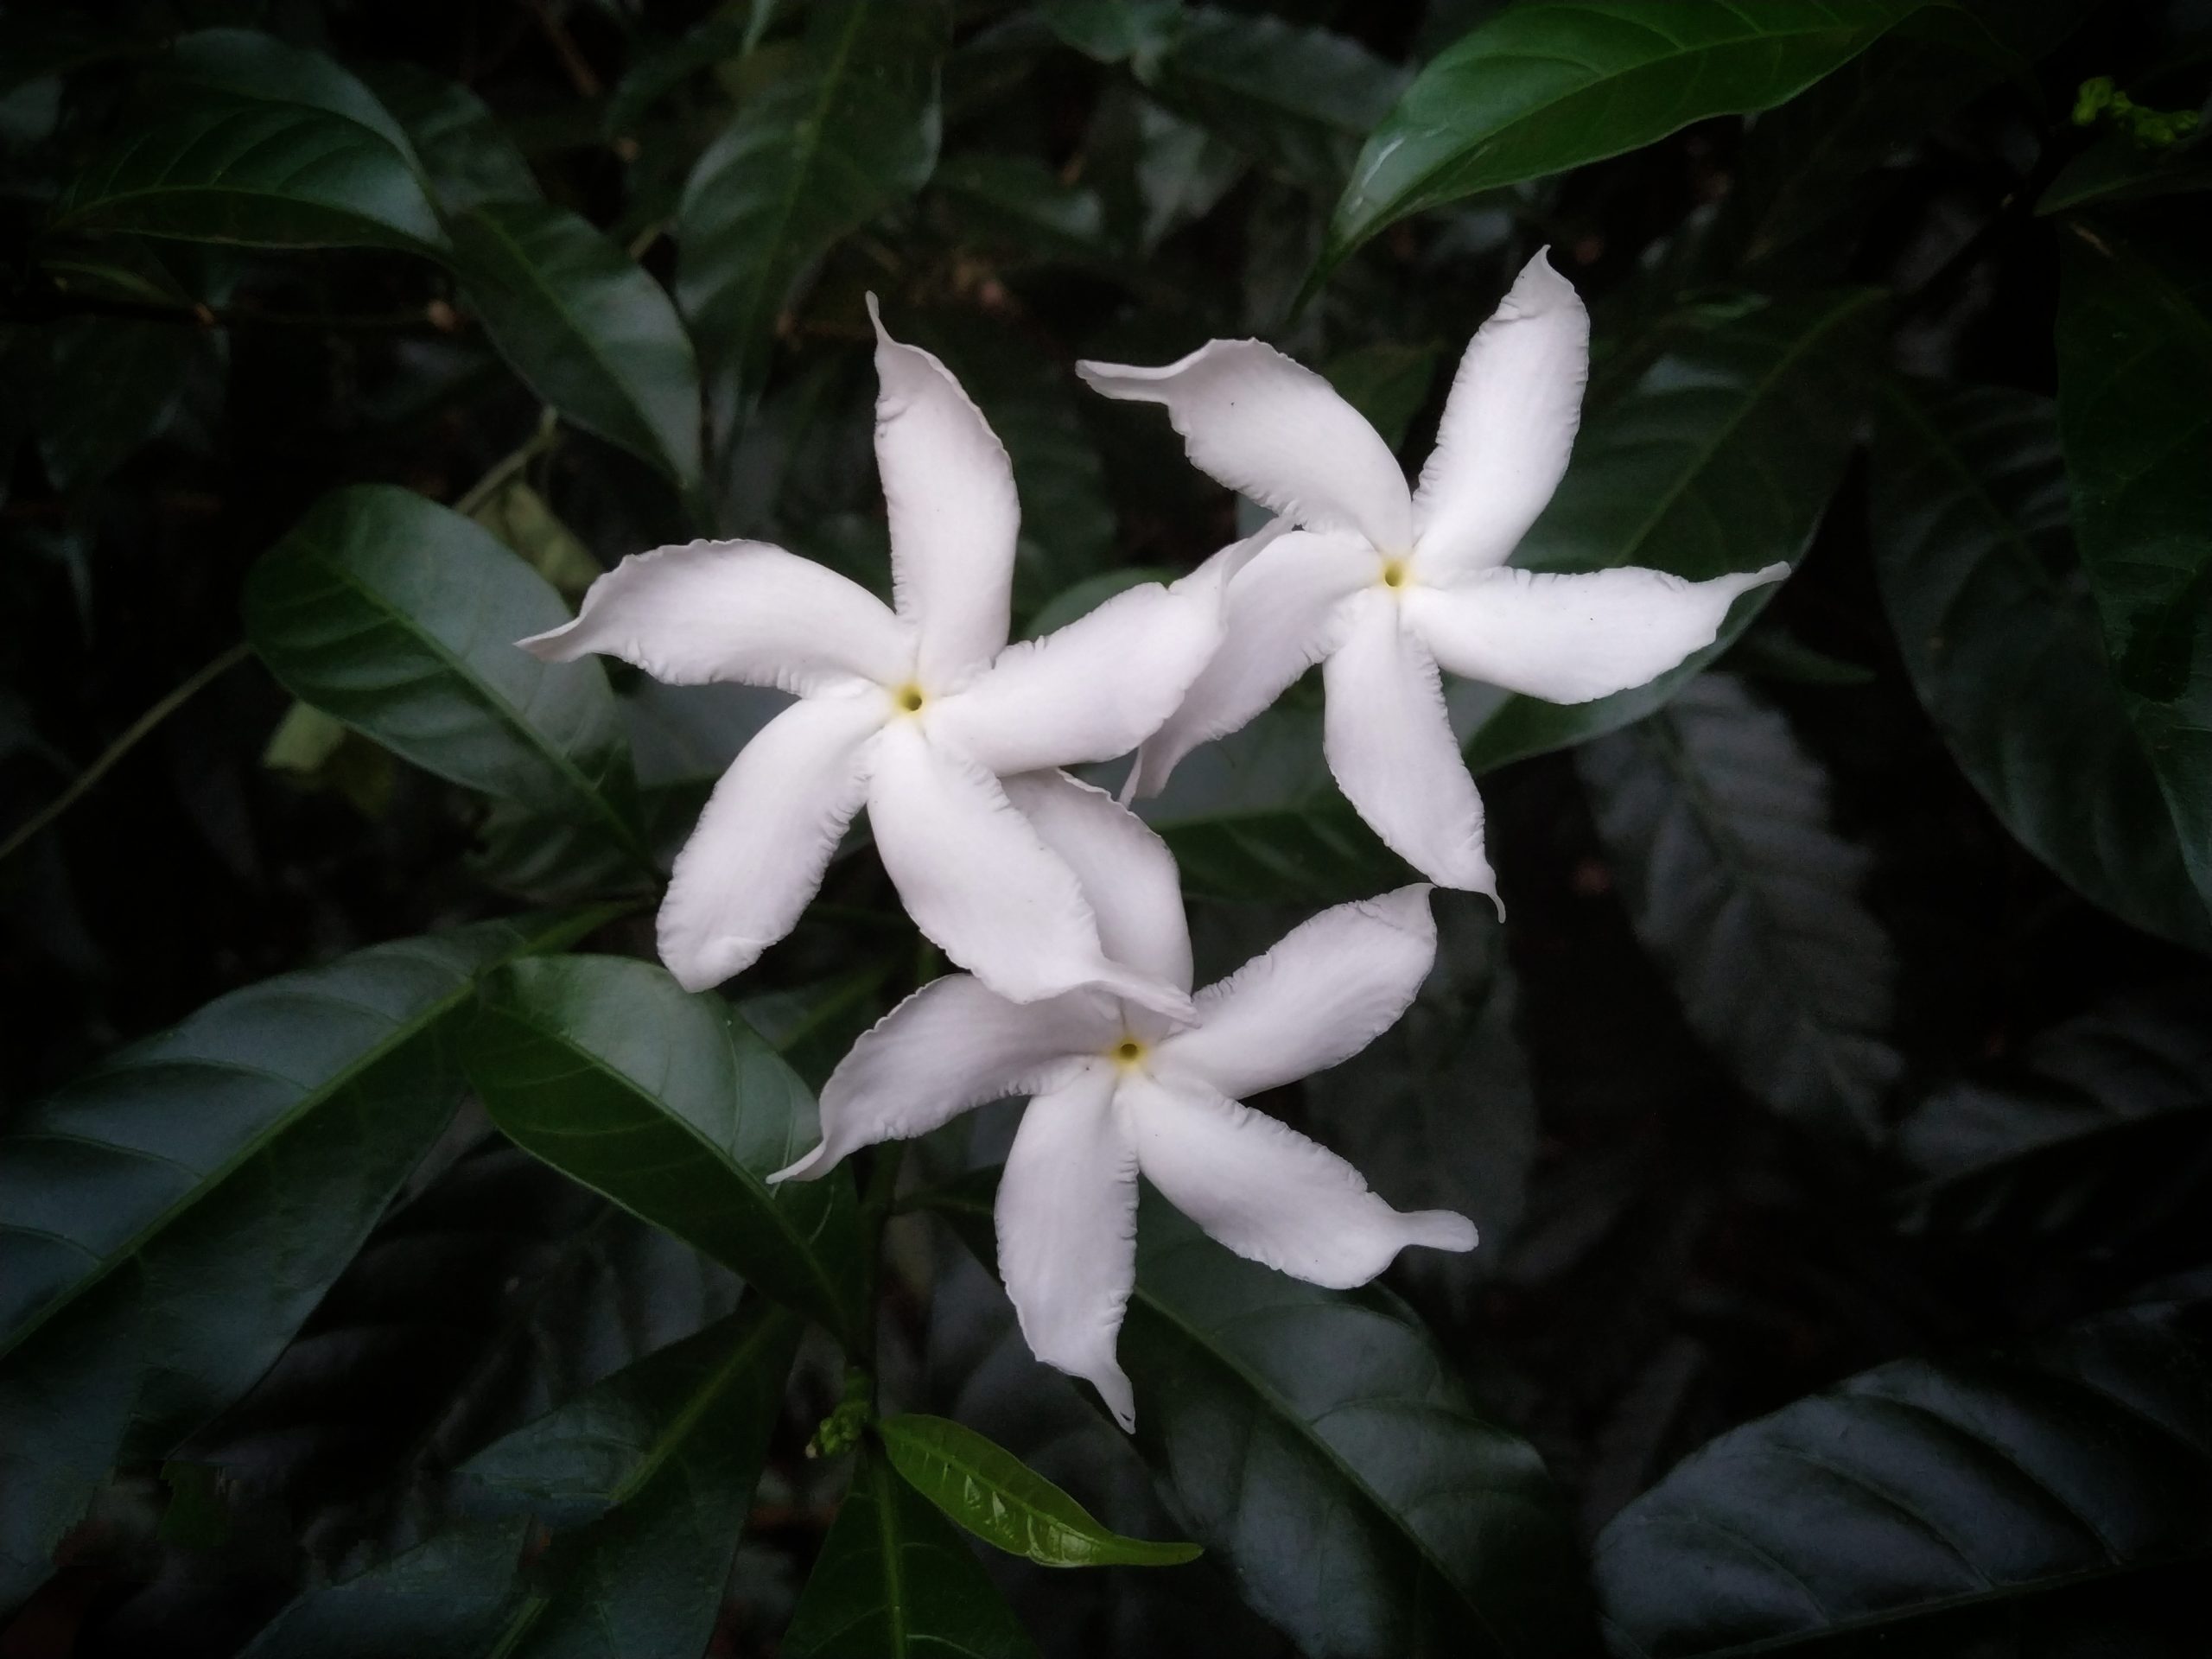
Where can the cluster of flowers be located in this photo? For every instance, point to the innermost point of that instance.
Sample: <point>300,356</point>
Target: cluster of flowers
<point>1063,907</point>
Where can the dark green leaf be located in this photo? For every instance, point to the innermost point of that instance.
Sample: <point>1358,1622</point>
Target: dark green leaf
<point>670,1105</point>
<point>111,385</point>
<point>895,1581</point>
<point>1926,1499</point>
<point>1018,202</point>
<point>1716,823</point>
<point>244,139</point>
<point>1968,507</point>
<point>399,617</point>
<point>167,1221</point>
<point>1721,457</point>
<point>1538,89</point>
<point>2117,168</point>
<point>1136,32</point>
<point>810,157</point>
<point>2134,358</point>
<point>1002,1501</point>
<point>1387,382</point>
<point>1769,651</point>
<point>814,1026</point>
<point>592,334</point>
<point>1074,602</point>
<point>466,154</point>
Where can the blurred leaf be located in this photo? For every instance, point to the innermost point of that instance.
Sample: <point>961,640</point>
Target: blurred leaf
<point>590,333</point>
<point>466,154</point>
<point>2116,168</point>
<point>813,1025</point>
<point>518,515</point>
<point>319,753</point>
<point>658,67</point>
<point>1388,382</point>
<point>1072,603</point>
<point>1020,203</point>
<point>1538,89</point>
<point>1927,1500</point>
<point>1002,1501</point>
<point>1769,651</point>
<point>2134,358</point>
<point>1722,456</point>
<point>168,1220</point>
<point>447,1598</point>
<point>243,139</point>
<point>1182,171</point>
<point>399,617</point>
<point>110,385</point>
<point>1136,32</point>
<point>895,1581</point>
<point>809,158</point>
<point>1715,823</point>
<point>1968,506</point>
<point>670,1105</point>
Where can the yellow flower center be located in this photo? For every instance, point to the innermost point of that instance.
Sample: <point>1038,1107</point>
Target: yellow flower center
<point>908,698</point>
<point>1395,574</point>
<point>1128,1053</point>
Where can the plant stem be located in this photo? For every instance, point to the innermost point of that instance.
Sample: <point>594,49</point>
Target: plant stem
<point>123,745</point>
<point>548,435</point>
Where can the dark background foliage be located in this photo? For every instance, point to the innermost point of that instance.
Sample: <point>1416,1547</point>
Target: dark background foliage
<point>1847,1057</point>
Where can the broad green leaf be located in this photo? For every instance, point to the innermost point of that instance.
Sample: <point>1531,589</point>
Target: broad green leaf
<point>399,617</point>
<point>2096,1139</point>
<point>895,1581</point>
<point>1927,1506</point>
<point>1538,89</point>
<point>814,1026</point>
<point>672,1106</point>
<point>241,138</point>
<point>590,333</point>
<point>168,1220</point>
<point>1002,1501</point>
<point>1716,826</point>
<point>519,516</point>
<point>1721,456</point>
<point>466,154</point>
<point>2134,359</point>
<point>1321,1443</point>
<point>810,157</point>
<point>1969,517</point>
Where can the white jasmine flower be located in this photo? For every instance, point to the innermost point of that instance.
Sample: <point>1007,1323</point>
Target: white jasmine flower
<point>1385,587</point>
<point>916,712</point>
<point>1116,1091</point>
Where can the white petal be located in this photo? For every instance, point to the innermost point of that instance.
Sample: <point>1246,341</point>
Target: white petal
<point>766,836</point>
<point>1089,691</point>
<point>954,516</point>
<point>1278,620</point>
<point>1125,869</point>
<point>1389,743</point>
<point>1568,639</point>
<point>950,1046</point>
<point>1267,1193</point>
<point>979,881</point>
<point>1067,1216</point>
<point>1508,426</point>
<point>1329,988</point>
<point>734,611</point>
<point>1253,419</point>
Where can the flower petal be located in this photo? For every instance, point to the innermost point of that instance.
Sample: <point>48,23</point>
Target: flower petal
<point>954,515</point>
<point>1089,691</point>
<point>734,611</point>
<point>1508,426</point>
<point>1568,639</point>
<point>1328,989</point>
<point>1067,1221</point>
<point>979,881</point>
<point>1267,1193</point>
<point>1253,419</point>
<point>1126,871</point>
<point>766,836</point>
<point>950,1046</point>
<point>1389,743</point>
<point>1278,620</point>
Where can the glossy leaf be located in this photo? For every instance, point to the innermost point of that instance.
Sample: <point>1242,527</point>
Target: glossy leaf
<point>590,333</point>
<point>1538,89</point>
<point>1721,456</point>
<point>168,1220</point>
<point>1002,1501</point>
<point>245,139</point>
<point>670,1105</point>
<point>1998,629</point>
<point>1926,1499</point>
<point>2134,358</point>
<point>1717,827</point>
<point>399,617</point>
<point>895,1581</point>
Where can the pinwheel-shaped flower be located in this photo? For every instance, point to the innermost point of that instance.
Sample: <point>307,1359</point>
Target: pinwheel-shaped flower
<point>915,711</point>
<point>1386,586</point>
<point>1116,1091</point>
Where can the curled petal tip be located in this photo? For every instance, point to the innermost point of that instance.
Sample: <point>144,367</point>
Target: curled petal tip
<point>551,646</point>
<point>814,1165</point>
<point>1113,1386</point>
<point>1441,1229</point>
<point>876,315</point>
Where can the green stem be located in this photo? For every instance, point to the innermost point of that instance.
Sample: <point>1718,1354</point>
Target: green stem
<point>122,745</point>
<point>546,435</point>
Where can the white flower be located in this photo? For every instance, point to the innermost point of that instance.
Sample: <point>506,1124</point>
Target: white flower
<point>915,712</point>
<point>1385,587</point>
<point>1116,1091</point>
